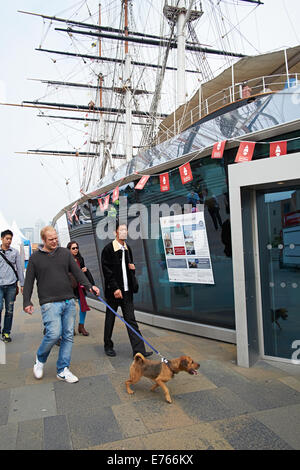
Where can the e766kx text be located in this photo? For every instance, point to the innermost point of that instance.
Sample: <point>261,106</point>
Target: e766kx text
<point>154,459</point>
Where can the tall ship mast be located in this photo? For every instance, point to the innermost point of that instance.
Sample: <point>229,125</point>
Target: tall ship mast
<point>130,74</point>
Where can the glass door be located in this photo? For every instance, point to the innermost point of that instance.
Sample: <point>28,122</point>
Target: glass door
<point>278,219</point>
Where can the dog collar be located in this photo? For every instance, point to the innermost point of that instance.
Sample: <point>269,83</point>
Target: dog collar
<point>163,359</point>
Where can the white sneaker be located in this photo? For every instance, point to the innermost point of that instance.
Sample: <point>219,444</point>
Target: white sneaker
<point>38,369</point>
<point>67,376</point>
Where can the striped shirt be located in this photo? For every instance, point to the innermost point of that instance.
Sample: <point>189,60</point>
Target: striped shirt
<point>7,276</point>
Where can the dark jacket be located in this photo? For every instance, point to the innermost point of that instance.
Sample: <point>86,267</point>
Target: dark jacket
<point>87,273</point>
<point>111,261</point>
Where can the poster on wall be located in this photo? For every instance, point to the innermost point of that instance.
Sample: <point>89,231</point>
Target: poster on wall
<point>186,248</point>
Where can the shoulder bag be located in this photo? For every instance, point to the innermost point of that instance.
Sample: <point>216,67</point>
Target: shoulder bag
<point>13,268</point>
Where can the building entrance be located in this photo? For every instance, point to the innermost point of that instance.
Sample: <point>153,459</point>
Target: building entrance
<point>278,223</point>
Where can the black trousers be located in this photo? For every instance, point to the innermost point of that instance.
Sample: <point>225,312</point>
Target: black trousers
<point>127,307</point>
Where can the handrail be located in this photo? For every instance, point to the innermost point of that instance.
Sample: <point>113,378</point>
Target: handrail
<point>231,94</point>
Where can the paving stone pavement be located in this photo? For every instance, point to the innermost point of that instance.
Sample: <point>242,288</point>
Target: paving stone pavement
<point>223,407</point>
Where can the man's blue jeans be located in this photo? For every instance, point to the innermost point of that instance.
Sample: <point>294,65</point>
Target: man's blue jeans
<point>59,322</point>
<point>7,295</point>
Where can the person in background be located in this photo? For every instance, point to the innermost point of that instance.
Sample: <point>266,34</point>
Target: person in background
<point>10,273</point>
<point>116,260</point>
<point>50,265</point>
<point>79,290</point>
<point>193,198</point>
<point>246,90</point>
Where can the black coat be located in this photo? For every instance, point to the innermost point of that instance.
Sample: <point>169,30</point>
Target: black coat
<point>87,273</point>
<point>111,261</point>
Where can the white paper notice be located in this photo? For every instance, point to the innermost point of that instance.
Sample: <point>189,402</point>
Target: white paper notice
<point>186,248</point>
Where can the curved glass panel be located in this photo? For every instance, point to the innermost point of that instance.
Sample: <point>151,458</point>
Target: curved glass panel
<point>257,114</point>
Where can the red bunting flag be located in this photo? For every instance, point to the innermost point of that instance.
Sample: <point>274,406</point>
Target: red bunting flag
<point>103,207</point>
<point>245,152</point>
<point>185,173</point>
<point>164,182</point>
<point>278,148</point>
<point>142,182</point>
<point>115,194</point>
<point>218,149</point>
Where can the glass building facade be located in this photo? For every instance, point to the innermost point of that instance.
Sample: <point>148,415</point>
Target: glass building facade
<point>204,304</point>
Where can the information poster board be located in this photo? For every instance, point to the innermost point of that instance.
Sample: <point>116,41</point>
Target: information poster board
<point>186,248</point>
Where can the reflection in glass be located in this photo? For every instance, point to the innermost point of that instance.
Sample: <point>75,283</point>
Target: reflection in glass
<point>279,239</point>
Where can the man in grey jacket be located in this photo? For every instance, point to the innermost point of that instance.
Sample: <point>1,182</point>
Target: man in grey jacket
<point>10,273</point>
<point>50,265</point>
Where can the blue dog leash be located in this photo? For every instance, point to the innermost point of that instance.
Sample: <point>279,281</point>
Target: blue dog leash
<point>129,326</point>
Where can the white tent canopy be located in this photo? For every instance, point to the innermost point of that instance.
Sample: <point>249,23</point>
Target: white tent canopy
<point>18,238</point>
<point>4,225</point>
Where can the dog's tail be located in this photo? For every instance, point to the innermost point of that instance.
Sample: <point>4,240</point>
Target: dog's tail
<point>139,357</point>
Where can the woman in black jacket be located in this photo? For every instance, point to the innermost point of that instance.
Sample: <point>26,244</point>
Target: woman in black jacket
<point>79,290</point>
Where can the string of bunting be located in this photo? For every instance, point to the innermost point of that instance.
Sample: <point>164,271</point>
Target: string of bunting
<point>244,154</point>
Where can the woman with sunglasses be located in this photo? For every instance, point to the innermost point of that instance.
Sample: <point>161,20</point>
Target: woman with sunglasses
<point>79,290</point>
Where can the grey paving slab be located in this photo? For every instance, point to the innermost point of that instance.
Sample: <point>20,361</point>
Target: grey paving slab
<point>93,430</point>
<point>86,352</point>
<point>260,394</point>
<point>211,405</point>
<point>8,436</point>
<point>247,433</point>
<point>221,375</point>
<point>17,344</point>
<point>289,369</point>
<point>4,405</point>
<point>149,331</point>
<point>285,422</point>
<point>124,358</point>
<point>30,435</point>
<point>27,360</point>
<point>157,415</point>
<point>85,397</point>
<point>196,437</point>
<point>32,402</point>
<point>270,394</point>
<point>129,420</point>
<point>10,378</point>
<point>56,433</point>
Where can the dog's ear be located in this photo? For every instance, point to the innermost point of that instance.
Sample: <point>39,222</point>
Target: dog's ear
<point>183,363</point>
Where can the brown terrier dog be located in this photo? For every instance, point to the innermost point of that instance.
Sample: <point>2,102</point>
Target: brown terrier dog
<point>159,372</point>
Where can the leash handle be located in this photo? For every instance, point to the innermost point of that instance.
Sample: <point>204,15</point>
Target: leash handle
<point>129,326</point>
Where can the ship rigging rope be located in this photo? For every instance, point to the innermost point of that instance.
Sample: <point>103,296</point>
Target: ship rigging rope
<point>75,13</point>
<point>234,27</point>
<point>92,66</point>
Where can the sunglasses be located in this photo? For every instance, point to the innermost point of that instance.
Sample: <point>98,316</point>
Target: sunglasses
<point>75,248</point>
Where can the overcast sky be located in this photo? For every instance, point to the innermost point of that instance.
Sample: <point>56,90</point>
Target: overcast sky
<point>33,187</point>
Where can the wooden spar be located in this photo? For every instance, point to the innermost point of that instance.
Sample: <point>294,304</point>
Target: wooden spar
<point>89,119</point>
<point>93,87</point>
<point>126,24</point>
<point>68,117</point>
<point>127,86</point>
<point>109,59</point>
<point>99,40</point>
<point>59,153</point>
<point>82,108</point>
<point>163,43</point>
<point>110,29</point>
<point>91,26</point>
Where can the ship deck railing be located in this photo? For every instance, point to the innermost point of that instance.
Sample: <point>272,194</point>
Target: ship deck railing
<point>188,115</point>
